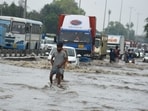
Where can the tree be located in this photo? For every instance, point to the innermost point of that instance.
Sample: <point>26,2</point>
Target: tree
<point>11,10</point>
<point>130,31</point>
<point>50,13</point>
<point>116,28</point>
<point>34,15</point>
<point>146,27</point>
<point>49,17</point>
<point>4,8</point>
<point>69,6</point>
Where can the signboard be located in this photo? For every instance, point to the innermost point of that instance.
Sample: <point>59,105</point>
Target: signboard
<point>76,22</point>
<point>113,39</point>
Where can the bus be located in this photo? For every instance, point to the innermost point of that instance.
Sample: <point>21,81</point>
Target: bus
<point>19,33</point>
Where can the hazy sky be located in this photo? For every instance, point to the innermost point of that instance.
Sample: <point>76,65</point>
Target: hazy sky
<point>137,10</point>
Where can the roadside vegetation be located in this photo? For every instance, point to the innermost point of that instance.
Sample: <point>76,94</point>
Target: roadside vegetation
<point>50,12</point>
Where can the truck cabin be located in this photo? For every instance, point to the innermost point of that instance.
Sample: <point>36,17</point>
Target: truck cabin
<point>100,39</point>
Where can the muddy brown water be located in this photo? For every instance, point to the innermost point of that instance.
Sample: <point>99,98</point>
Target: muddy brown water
<point>92,87</point>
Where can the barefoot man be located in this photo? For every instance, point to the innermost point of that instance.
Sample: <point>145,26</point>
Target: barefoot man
<point>58,61</point>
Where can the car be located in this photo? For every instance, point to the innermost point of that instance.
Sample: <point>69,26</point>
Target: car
<point>72,55</point>
<point>145,58</point>
<point>47,43</point>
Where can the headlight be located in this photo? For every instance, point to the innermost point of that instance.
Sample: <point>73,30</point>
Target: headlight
<point>49,47</point>
<point>71,61</point>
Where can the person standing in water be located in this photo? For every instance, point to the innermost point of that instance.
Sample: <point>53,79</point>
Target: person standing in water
<point>58,61</point>
<point>117,54</point>
<point>112,56</point>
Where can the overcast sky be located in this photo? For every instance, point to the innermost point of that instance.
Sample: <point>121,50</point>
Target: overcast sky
<point>137,9</point>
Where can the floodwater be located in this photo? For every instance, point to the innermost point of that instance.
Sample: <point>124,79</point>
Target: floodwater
<point>102,88</point>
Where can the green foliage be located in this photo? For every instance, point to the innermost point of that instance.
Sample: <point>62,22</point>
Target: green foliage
<point>129,26</point>
<point>51,12</point>
<point>34,15</point>
<point>69,6</point>
<point>146,27</point>
<point>48,15</point>
<point>11,10</point>
<point>116,28</point>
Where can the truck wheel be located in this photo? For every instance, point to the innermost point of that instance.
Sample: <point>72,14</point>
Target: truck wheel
<point>36,46</point>
<point>27,46</point>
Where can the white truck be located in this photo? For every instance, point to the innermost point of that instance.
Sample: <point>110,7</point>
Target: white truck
<point>116,40</point>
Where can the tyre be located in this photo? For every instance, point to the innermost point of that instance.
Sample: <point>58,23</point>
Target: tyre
<point>27,46</point>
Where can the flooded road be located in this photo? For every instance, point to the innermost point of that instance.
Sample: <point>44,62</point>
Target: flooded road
<point>96,88</point>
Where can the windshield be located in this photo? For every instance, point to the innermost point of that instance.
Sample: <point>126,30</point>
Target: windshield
<point>146,54</point>
<point>70,52</point>
<point>49,42</point>
<point>5,24</point>
<point>75,37</point>
<point>97,43</point>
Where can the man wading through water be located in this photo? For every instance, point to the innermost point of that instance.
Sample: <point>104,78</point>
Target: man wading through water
<point>58,61</point>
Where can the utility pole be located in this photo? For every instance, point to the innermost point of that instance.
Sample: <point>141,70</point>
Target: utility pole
<point>79,3</point>
<point>109,13</point>
<point>120,11</point>
<point>119,29</point>
<point>104,15</point>
<point>25,8</point>
<point>137,23</point>
<point>79,6</point>
<point>130,15</point>
<point>137,26</point>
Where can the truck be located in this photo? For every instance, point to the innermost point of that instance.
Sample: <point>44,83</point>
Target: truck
<point>131,44</point>
<point>116,40</point>
<point>100,48</point>
<point>77,31</point>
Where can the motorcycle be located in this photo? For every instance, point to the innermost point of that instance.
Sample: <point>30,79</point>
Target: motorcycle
<point>129,59</point>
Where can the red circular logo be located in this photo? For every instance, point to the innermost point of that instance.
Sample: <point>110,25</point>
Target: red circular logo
<point>75,22</point>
